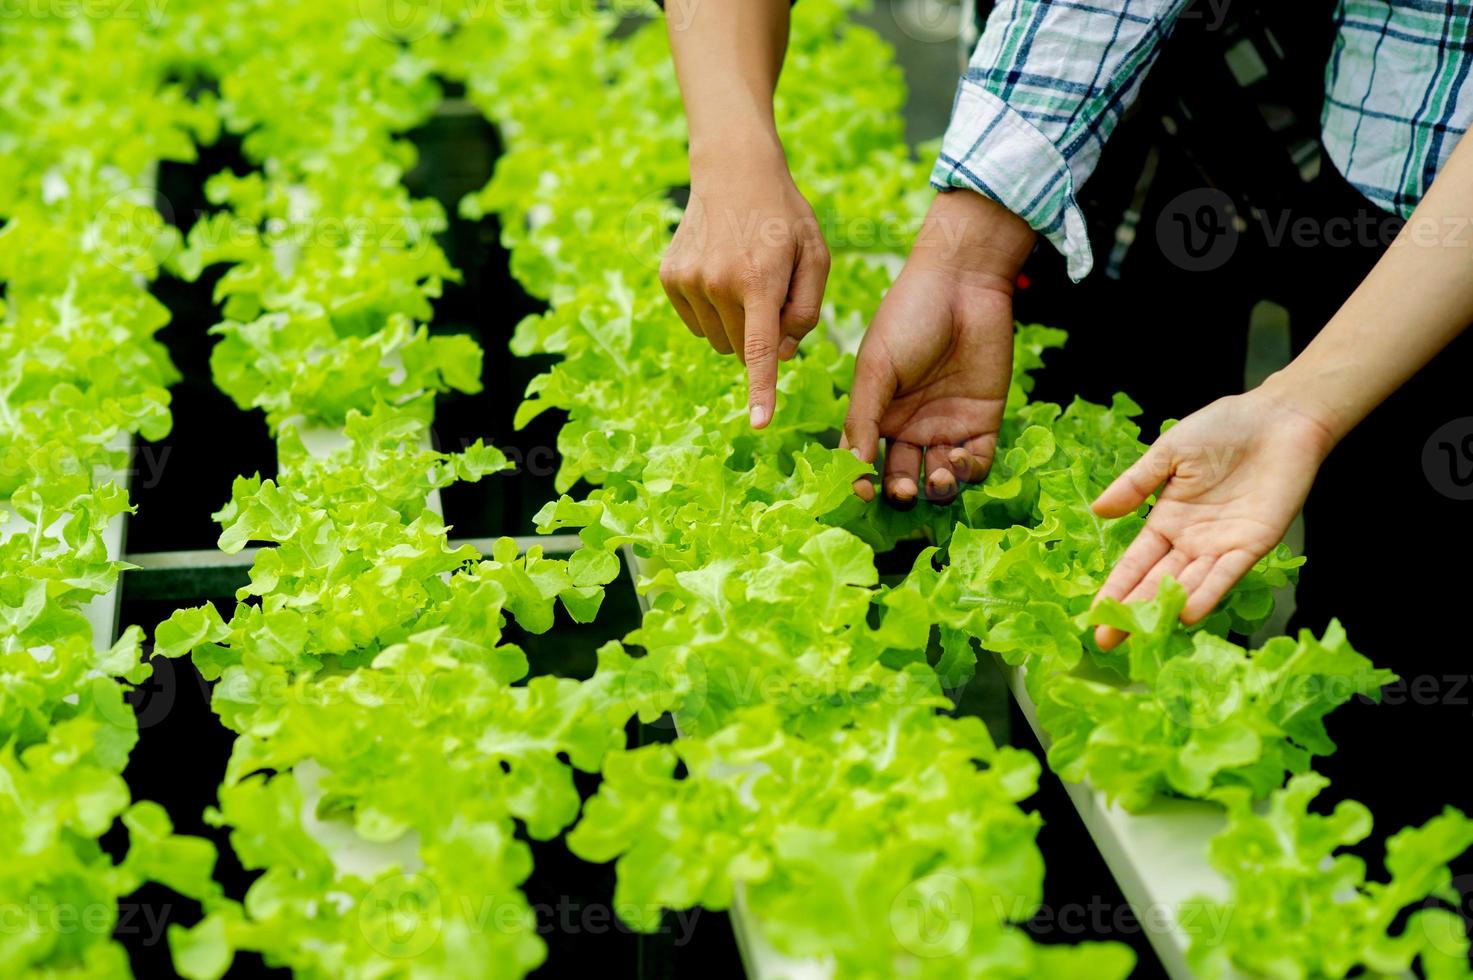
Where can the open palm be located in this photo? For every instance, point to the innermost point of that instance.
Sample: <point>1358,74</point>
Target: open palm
<point>1235,474</point>
<point>932,379</point>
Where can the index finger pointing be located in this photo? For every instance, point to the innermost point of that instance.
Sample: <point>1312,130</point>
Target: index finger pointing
<point>760,349</point>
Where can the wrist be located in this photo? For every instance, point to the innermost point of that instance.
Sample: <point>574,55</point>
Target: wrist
<point>747,152</point>
<point>973,238</point>
<point>1299,398</point>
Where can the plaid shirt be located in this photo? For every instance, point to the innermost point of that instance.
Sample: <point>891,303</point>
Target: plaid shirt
<point>1050,79</point>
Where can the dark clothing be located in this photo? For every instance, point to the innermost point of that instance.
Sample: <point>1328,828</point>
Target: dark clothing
<point>1387,549</point>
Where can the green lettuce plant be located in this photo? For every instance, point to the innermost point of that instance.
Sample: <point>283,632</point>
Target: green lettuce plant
<point>86,115</point>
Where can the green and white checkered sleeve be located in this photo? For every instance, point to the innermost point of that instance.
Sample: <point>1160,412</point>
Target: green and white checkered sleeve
<point>1397,99</point>
<point>1046,86</point>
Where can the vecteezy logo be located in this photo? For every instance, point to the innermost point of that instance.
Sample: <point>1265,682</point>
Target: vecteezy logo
<point>1447,459</point>
<point>933,916</point>
<point>648,226</point>
<point>152,699</point>
<point>1198,230</point>
<point>133,231</point>
<point>930,21</point>
<point>401,21</point>
<point>401,915</point>
<point>1198,695</point>
<point>1444,921</point>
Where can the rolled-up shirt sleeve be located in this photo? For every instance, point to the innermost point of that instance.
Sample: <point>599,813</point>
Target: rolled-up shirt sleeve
<point>1044,89</point>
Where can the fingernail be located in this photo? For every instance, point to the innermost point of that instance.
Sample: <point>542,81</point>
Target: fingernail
<point>858,455</point>
<point>940,487</point>
<point>759,415</point>
<point>787,348</point>
<point>905,488</point>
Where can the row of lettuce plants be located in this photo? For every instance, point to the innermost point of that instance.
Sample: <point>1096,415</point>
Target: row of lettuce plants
<point>87,113</point>
<point>386,752</point>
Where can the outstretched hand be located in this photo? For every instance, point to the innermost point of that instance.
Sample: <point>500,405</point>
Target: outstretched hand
<point>933,371</point>
<point>1235,474</point>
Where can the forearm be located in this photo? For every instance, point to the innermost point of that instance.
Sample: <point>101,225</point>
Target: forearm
<point>728,55</point>
<point>1415,301</point>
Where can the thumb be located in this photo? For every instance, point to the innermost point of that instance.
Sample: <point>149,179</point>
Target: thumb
<point>760,353</point>
<point>874,387</point>
<point>805,297</point>
<point>1131,488</point>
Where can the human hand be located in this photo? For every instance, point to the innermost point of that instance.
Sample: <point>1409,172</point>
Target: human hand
<point>933,371</point>
<point>747,267</point>
<point>1235,474</point>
